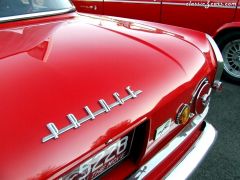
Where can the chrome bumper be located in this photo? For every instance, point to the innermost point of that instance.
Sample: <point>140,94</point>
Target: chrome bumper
<point>191,159</point>
<point>195,155</point>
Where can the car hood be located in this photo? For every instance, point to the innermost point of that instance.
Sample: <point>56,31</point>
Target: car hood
<point>49,70</point>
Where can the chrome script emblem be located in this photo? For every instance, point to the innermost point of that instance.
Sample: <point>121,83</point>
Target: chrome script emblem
<point>75,123</point>
<point>163,129</point>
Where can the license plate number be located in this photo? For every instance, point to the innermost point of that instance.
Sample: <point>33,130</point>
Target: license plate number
<point>101,162</point>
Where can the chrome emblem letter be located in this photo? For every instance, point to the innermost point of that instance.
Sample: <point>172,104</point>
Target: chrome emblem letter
<point>53,129</point>
<point>73,120</point>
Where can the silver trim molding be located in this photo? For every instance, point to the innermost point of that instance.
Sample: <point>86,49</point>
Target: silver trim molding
<point>203,81</point>
<point>132,2</point>
<point>194,4</point>
<point>207,137</point>
<point>75,123</point>
<point>219,57</point>
<point>174,4</point>
<point>35,15</point>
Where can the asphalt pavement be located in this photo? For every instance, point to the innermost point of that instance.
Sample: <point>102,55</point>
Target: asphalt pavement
<point>223,159</point>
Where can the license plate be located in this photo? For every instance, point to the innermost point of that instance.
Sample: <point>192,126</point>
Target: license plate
<point>101,162</point>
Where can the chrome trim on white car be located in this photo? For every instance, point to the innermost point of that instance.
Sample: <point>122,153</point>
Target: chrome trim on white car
<point>208,136</point>
<point>218,55</point>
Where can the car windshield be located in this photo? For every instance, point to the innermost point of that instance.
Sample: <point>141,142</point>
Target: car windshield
<point>12,8</point>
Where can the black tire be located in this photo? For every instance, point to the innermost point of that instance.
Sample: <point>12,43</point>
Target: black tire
<point>229,45</point>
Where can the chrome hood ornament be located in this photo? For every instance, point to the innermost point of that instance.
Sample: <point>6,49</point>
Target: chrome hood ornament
<point>75,123</point>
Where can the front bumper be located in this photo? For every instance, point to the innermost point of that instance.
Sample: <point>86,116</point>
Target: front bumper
<point>192,157</point>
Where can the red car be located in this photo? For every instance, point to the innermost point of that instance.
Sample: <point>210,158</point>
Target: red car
<point>85,96</point>
<point>220,19</point>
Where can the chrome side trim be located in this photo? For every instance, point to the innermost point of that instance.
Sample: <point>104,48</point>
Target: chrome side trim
<point>198,5</point>
<point>218,55</point>
<point>169,148</point>
<point>174,4</point>
<point>35,15</point>
<point>132,2</point>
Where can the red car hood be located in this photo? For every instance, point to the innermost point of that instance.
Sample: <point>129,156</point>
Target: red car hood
<point>53,69</point>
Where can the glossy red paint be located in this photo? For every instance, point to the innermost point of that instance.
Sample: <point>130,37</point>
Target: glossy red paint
<point>206,18</point>
<point>94,7</point>
<point>228,26</point>
<point>148,10</point>
<point>53,66</point>
<point>218,18</point>
<point>139,9</point>
<point>238,15</point>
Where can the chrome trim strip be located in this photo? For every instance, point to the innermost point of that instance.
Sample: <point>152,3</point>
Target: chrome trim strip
<point>169,148</point>
<point>195,155</point>
<point>197,5</point>
<point>89,0</point>
<point>174,4</point>
<point>75,123</point>
<point>219,57</point>
<point>35,15</point>
<point>132,2</point>
<point>223,7</point>
<point>203,81</point>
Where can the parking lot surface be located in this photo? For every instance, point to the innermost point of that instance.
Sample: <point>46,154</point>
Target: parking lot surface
<point>223,160</point>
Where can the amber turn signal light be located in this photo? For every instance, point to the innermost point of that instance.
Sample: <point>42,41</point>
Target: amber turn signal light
<point>183,114</point>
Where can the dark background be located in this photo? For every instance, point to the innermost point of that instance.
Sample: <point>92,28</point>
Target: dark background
<point>223,159</point>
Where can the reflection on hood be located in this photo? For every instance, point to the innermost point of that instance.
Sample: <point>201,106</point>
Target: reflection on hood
<point>32,40</point>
